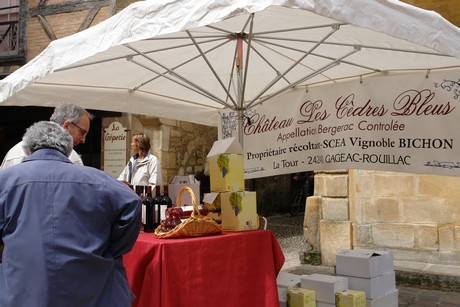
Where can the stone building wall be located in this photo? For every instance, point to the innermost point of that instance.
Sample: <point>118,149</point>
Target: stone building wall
<point>417,217</point>
<point>187,147</point>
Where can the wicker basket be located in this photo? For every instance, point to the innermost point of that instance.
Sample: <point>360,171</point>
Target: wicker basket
<point>196,225</point>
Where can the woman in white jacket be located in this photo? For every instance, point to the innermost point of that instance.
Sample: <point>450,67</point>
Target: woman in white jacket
<point>143,168</point>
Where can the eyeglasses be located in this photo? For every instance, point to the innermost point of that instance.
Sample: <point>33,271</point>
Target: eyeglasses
<point>82,131</point>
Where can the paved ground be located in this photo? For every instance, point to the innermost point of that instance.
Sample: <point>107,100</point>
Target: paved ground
<point>415,297</point>
<point>289,232</point>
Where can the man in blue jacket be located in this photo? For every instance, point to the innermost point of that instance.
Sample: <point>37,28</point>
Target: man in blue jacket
<point>64,228</point>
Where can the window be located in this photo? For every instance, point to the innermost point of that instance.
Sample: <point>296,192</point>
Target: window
<point>11,46</point>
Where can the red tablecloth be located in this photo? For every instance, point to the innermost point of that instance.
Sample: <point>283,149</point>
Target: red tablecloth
<point>232,269</point>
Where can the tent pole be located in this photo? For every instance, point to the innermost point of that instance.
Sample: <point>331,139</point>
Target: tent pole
<point>239,72</point>
<point>240,113</point>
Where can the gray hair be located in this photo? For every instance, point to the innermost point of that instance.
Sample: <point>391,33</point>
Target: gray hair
<point>70,112</point>
<point>45,134</point>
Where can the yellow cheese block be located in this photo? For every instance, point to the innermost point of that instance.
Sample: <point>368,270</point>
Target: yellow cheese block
<point>299,297</point>
<point>350,298</point>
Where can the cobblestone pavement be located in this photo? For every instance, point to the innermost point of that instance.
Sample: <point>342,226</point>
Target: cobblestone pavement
<point>414,297</point>
<point>289,232</point>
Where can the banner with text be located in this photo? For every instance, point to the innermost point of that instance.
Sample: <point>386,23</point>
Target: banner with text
<point>114,149</point>
<point>405,122</point>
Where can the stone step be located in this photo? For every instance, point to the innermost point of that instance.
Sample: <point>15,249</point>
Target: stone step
<point>408,274</point>
<point>427,276</point>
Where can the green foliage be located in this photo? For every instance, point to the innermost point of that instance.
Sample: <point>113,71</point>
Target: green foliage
<point>312,256</point>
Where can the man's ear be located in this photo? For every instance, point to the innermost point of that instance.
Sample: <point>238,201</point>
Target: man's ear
<point>66,124</point>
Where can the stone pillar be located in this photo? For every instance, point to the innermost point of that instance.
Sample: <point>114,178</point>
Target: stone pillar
<point>327,227</point>
<point>312,254</point>
<point>335,237</point>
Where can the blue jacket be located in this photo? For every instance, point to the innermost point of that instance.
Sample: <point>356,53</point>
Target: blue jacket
<point>64,229</point>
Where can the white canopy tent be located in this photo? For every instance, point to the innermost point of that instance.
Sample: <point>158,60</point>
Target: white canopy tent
<point>176,59</point>
<point>193,60</point>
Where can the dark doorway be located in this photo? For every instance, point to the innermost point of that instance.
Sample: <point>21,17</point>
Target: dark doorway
<point>15,120</point>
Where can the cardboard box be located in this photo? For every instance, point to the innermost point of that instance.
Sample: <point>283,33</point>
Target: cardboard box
<point>350,298</point>
<point>226,166</point>
<point>298,297</point>
<point>211,201</point>
<point>389,281</point>
<point>363,263</point>
<point>282,296</point>
<point>239,211</point>
<point>390,299</point>
<point>373,287</point>
<point>284,281</point>
<point>387,264</point>
<point>226,172</point>
<point>177,183</point>
<point>325,286</point>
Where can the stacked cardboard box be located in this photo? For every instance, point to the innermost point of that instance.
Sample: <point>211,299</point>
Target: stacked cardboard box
<point>317,290</point>
<point>325,286</point>
<point>372,272</point>
<point>286,281</point>
<point>226,171</point>
<point>365,278</point>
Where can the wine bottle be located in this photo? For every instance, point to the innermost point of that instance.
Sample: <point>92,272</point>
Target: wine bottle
<point>156,205</point>
<point>165,203</point>
<point>149,211</point>
<point>140,191</point>
<point>185,211</point>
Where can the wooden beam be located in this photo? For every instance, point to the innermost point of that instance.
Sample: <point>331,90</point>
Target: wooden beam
<point>46,26</point>
<point>67,7</point>
<point>23,34</point>
<point>89,18</point>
